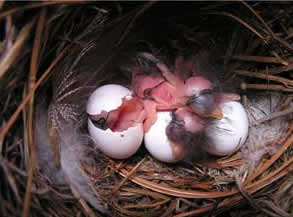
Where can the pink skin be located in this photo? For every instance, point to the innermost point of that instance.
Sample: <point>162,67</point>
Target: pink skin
<point>181,130</point>
<point>191,122</point>
<point>125,116</point>
<point>165,92</point>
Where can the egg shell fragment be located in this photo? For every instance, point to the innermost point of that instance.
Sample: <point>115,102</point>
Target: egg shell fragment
<point>157,142</point>
<point>106,98</point>
<point>227,135</point>
<point>118,145</point>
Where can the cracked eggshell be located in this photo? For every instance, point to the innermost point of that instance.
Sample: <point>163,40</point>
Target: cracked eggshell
<point>118,145</point>
<point>227,135</point>
<point>157,142</point>
<point>107,97</point>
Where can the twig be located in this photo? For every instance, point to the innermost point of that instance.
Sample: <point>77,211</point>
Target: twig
<point>11,180</point>
<point>273,35</point>
<point>134,169</point>
<point>15,49</point>
<point>170,209</point>
<point>277,174</point>
<point>88,210</point>
<point>13,167</point>
<point>144,206</point>
<point>276,210</point>
<point>268,163</point>
<point>144,8</point>
<point>185,193</point>
<point>38,5</point>
<point>258,17</point>
<point>260,59</point>
<point>241,22</point>
<point>30,136</point>
<point>1,4</point>
<point>13,118</point>
<point>272,87</point>
<point>244,192</point>
<point>277,56</point>
<point>264,76</point>
<point>145,192</point>
<point>274,115</point>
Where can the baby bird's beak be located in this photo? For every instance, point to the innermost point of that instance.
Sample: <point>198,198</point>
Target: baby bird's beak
<point>207,103</point>
<point>221,98</point>
<point>215,114</point>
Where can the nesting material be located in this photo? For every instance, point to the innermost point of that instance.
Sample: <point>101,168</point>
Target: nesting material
<point>55,169</point>
<point>265,137</point>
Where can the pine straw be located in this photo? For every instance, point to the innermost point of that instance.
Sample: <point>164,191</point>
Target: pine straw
<point>258,49</point>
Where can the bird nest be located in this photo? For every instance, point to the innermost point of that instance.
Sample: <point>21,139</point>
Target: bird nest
<point>54,54</point>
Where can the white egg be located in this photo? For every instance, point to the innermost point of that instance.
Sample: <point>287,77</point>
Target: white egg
<point>118,145</point>
<point>157,142</point>
<point>227,135</point>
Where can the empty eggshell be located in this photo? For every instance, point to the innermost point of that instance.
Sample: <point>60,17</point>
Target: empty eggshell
<point>227,135</point>
<point>157,142</point>
<point>118,145</point>
<point>107,97</point>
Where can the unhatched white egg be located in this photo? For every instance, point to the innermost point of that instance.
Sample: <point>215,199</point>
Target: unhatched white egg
<point>118,145</point>
<point>227,135</point>
<point>157,142</point>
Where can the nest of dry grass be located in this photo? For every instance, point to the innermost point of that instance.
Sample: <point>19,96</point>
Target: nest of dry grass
<point>43,44</point>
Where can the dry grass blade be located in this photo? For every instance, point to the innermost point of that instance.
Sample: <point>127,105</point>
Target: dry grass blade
<point>11,180</point>
<point>14,51</point>
<point>144,8</point>
<point>244,193</point>
<point>241,22</point>
<point>270,87</point>
<point>258,17</point>
<point>284,81</point>
<point>143,206</point>
<point>88,210</point>
<point>162,199</point>
<point>13,167</point>
<point>234,163</point>
<point>170,209</point>
<point>38,5</point>
<point>274,115</point>
<point>260,59</point>
<point>134,169</point>
<point>145,192</point>
<point>30,106</point>
<point>271,177</point>
<point>175,191</point>
<point>1,4</point>
<point>273,35</point>
<point>235,199</point>
<point>13,118</point>
<point>277,70</point>
<point>272,209</point>
<point>268,163</point>
<point>128,213</point>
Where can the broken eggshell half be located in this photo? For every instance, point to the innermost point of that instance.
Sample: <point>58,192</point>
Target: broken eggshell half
<point>227,135</point>
<point>115,144</point>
